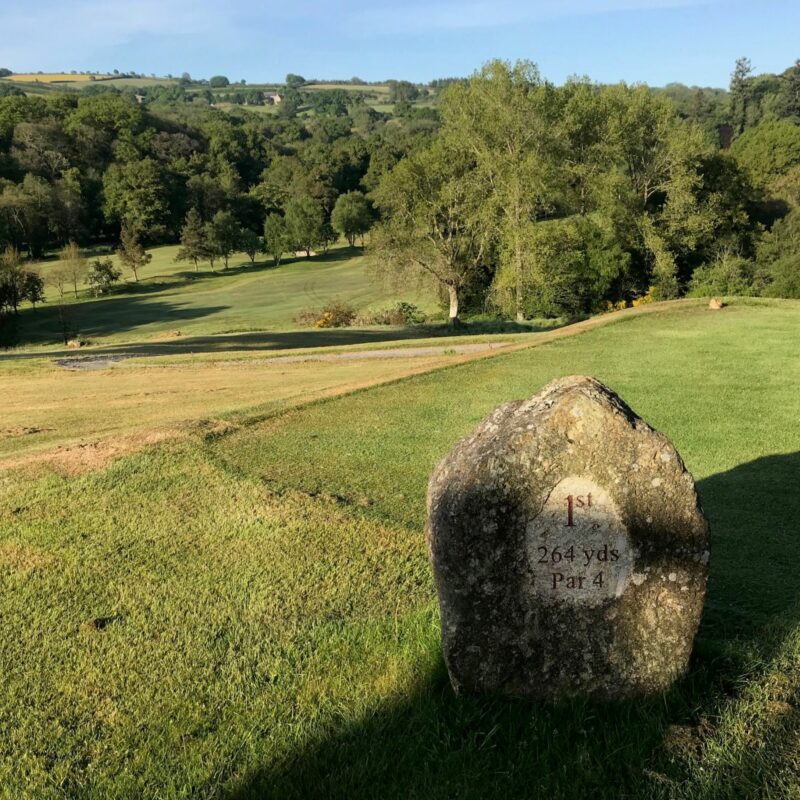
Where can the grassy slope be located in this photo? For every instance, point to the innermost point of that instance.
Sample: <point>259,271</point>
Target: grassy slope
<point>172,297</point>
<point>253,616</point>
<point>48,406</point>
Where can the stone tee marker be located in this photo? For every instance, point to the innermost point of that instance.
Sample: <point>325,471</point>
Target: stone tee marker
<point>569,550</point>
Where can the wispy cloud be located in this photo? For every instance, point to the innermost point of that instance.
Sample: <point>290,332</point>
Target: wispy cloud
<point>53,32</point>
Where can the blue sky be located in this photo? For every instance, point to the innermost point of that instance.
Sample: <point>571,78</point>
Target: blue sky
<point>656,41</point>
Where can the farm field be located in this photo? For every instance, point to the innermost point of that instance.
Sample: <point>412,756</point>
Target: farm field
<point>248,612</point>
<point>53,77</point>
<point>172,298</point>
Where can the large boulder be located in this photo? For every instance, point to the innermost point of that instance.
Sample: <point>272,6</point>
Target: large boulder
<point>569,550</point>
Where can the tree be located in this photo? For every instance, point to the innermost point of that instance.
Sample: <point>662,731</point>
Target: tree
<point>74,265</point>
<point>194,245</point>
<point>276,237</point>
<point>58,278</point>
<point>791,91</point>
<point>294,81</point>
<point>218,82</point>
<point>135,195</point>
<point>304,223</point>
<point>654,196</point>
<point>402,92</point>
<point>250,243</point>
<point>131,253</point>
<point>32,287</point>
<point>431,220</point>
<point>103,275</point>
<point>505,117</point>
<point>12,278</point>
<point>769,150</point>
<point>223,233</point>
<point>740,93</point>
<point>351,216</point>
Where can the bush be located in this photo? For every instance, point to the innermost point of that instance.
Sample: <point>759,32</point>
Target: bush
<point>102,276</point>
<point>728,274</point>
<point>335,314</point>
<point>307,316</point>
<point>784,277</point>
<point>401,313</point>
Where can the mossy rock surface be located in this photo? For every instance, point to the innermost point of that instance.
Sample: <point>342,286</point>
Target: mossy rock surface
<point>569,550</point>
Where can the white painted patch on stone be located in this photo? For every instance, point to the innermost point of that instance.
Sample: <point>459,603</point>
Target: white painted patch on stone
<point>578,549</point>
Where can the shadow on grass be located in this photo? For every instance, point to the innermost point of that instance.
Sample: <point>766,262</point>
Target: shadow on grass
<point>433,744</point>
<point>113,315</point>
<point>112,321</point>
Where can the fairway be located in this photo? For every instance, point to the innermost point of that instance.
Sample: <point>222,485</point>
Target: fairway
<point>171,297</point>
<point>249,613</point>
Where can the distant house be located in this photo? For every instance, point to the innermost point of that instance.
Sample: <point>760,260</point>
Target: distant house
<point>273,98</point>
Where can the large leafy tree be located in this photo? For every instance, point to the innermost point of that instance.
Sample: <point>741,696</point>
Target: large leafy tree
<point>351,216</point>
<point>224,234</point>
<point>305,224</point>
<point>653,193</point>
<point>504,119</point>
<point>431,204</point>
<point>276,237</point>
<point>135,195</point>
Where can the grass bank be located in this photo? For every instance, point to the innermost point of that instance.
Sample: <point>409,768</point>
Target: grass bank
<point>252,614</point>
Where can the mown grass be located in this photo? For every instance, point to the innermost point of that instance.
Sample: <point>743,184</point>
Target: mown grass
<point>253,615</point>
<point>172,296</point>
<point>47,406</point>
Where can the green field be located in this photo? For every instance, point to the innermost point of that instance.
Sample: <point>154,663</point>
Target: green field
<point>172,298</point>
<point>249,612</point>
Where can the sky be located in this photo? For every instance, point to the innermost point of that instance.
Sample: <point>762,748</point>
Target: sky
<point>654,41</point>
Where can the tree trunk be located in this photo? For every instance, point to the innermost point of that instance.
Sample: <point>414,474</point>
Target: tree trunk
<point>518,266</point>
<point>453,321</point>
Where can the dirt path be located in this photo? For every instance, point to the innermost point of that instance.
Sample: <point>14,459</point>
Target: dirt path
<point>93,450</point>
<point>97,362</point>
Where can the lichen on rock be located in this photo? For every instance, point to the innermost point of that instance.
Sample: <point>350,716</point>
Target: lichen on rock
<point>569,550</point>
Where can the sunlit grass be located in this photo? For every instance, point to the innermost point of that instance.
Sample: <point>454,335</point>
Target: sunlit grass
<point>252,615</point>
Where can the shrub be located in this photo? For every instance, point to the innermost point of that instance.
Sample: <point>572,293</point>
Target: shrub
<point>102,276</point>
<point>650,297</point>
<point>307,316</point>
<point>401,313</point>
<point>728,274</point>
<point>336,315</point>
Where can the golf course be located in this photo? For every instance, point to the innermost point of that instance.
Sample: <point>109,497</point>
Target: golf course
<point>247,610</point>
<point>400,402</point>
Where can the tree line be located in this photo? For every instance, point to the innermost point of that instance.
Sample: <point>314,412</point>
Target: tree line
<point>513,196</point>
